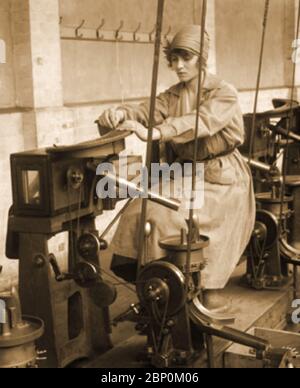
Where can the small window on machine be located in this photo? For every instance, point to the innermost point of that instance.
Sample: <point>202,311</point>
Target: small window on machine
<point>31,187</point>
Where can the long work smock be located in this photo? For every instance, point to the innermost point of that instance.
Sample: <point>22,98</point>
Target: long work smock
<point>227,216</point>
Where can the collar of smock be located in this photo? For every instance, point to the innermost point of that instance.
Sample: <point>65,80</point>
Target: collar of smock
<point>210,82</point>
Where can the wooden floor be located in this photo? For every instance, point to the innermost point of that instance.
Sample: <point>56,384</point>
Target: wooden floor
<point>251,308</point>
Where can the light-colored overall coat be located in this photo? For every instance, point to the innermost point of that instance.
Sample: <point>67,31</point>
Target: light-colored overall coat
<point>228,214</point>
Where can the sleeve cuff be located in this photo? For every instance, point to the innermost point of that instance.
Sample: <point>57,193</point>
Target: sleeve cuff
<point>167,132</point>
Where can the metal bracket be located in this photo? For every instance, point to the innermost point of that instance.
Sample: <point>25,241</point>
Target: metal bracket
<point>78,28</point>
<point>100,37</point>
<point>117,34</point>
<point>135,38</point>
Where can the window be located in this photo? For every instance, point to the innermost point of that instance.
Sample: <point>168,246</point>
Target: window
<point>31,187</point>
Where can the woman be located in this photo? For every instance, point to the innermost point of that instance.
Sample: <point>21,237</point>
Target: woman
<point>228,214</point>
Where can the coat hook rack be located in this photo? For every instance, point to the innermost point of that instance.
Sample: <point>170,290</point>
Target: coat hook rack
<point>168,32</point>
<point>99,34</point>
<point>100,37</point>
<point>151,34</point>
<point>135,38</point>
<point>119,37</point>
<point>78,28</point>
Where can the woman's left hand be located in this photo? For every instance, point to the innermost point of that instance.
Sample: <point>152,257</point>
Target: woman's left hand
<point>140,131</point>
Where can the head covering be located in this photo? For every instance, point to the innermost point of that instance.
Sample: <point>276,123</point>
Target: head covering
<point>188,38</point>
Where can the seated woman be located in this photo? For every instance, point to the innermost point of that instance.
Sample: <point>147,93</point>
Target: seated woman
<point>228,214</point>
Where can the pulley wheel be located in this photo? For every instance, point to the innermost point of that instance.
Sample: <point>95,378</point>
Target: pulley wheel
<point>271,223</point>
<point>86,274</point>
<point>174,243</point>
<point>266,198</point>
<point>88,246</point>
<point>103,294</point>
<point>17,346</point>
<point>164,279</point>
<point>293,180</point>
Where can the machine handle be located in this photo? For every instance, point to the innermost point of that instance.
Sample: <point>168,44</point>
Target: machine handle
<point>59,276</point>
<point>270,169</point>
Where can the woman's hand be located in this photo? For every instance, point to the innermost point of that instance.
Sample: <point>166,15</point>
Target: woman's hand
<point>140,131</point>
<point>111,118</point>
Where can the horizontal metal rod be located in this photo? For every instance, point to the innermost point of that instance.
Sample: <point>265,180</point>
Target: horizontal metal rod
<point>237,336</point>
<point>121,182</point>
<point>286,133</point>
<point>259,165</point>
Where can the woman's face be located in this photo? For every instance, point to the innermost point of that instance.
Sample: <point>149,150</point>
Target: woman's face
<point>185,64</point>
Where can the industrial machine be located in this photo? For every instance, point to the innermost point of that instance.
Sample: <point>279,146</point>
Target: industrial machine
<point>170,310</point>
<point>54,192</point>
<point>60,281</point>
<point>18,333</point>
<point>171,315</point>
<point>276,173</point>
<point>51,231</point>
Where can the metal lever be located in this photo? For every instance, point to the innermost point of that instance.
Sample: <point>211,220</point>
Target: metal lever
<point>130,314</point>
<point>85,274</point>
<point>59,276</point>
<point>271,169</point>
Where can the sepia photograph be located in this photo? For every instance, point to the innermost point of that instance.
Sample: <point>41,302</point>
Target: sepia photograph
<point>150,187</point>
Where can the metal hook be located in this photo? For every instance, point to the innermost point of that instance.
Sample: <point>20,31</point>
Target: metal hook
<point>78,28</point>
<point>168,32</point>
<point>135,38</point>
<point>99,29</point>
<point>117,36</point>
<point>151,33</point>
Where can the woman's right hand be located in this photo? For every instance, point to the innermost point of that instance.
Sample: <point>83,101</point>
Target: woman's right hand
<point>111,118</point>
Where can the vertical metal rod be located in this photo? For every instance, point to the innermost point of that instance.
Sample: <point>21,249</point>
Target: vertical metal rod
<point>195,151</point>
<point>265,20</point>
<point>295,282</point>
<point>210,351</point>
<point>159,22</point>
